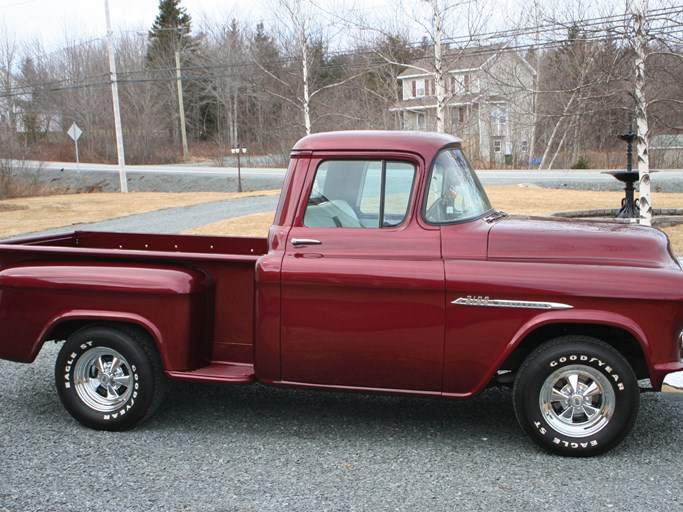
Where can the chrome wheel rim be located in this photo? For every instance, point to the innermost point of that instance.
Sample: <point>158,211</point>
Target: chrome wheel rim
<point>577,401</point>
<point>103,379</point>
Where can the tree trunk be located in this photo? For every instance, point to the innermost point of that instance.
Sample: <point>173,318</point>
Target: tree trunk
<point>303,45</point>
<point>639,13</point>
<point>439,77</point>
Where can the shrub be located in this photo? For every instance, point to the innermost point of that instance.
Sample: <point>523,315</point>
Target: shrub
<point>581,163</point>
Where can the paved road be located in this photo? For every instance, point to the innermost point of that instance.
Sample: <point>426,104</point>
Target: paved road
<point>179,178</point>
<point>229,449</point>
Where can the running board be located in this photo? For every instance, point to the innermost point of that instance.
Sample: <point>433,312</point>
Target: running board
<point>228,373</point>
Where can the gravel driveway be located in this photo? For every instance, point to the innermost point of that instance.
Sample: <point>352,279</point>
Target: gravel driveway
<point>254,448</point>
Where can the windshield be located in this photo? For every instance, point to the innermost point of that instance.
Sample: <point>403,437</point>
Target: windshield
<point>455,193</point>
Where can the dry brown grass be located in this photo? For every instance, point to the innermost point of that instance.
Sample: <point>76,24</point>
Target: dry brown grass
<point>675,234</point>
<point>249,225</point>
<point>540,201</point>
<point>26,215</point>
<point>513,199</point>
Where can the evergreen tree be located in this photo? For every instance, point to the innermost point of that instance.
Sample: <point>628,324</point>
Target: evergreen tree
<point>171,32</point>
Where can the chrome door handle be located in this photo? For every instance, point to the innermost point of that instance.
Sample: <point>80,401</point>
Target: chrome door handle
<point>305,241</point>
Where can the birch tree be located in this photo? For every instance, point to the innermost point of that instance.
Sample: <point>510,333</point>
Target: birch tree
<point>639,11</point>
<point>304,39</point>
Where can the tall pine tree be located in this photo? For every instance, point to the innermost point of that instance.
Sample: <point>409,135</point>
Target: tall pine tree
<point>171,32</point>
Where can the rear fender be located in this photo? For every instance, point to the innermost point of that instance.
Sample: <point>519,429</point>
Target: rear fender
<point>173,304</point>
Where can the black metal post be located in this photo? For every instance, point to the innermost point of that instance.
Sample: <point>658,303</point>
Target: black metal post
<point>629,206</point>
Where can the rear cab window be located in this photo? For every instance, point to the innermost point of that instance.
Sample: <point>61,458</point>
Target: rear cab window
<point>360,194</point>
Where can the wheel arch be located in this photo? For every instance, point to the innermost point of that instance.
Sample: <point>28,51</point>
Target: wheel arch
<point>623,337</point>
<point>63,326</point>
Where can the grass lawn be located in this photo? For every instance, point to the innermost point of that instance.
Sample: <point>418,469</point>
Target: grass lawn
<point>512,199</point>
<point>25,215</point>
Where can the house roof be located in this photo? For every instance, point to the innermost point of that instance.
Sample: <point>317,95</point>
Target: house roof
<point>456,59</point>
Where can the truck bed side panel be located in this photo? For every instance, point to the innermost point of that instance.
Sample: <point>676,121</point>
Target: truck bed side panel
<point>174,304</point>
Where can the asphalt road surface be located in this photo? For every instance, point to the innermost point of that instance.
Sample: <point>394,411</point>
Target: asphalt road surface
<point>186,178</point>
<point>255,448</point>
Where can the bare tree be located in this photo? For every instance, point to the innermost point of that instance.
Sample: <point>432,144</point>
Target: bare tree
<point>226,50</point>
<point>9,84</point>
<point>448,28</point>
<point>304,40</point>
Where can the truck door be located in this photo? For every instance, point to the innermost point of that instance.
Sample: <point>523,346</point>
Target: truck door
<point>362,282</point>
<point>456,201</point>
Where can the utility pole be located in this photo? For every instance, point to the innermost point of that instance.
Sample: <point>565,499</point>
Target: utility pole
<point>181,106</point>
<point>115,98</point>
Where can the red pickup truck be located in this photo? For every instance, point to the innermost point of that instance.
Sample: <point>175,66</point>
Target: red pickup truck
<point>386,270</point>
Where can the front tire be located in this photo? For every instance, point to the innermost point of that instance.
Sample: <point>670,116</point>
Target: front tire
<point>576,396</point>
<point>109,378</point>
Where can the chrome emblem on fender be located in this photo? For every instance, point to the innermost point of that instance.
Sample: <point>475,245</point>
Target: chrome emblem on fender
<point>496,303</point>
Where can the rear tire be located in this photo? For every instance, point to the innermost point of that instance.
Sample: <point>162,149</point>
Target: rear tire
<point>576,396</point>
<point>109,378</point>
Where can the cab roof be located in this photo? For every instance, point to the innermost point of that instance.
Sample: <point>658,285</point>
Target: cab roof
<point>423,143</point>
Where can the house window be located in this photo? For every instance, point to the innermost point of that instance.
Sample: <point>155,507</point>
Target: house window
<point>419,88</point>
<point>499,114</point>
<point>457,115</point>
<point>460,83</point>
<point>497,146</point>
<point>421,122</point>
<point>499,119</point>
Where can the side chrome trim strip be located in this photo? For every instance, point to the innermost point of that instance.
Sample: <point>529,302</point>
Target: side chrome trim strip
<point>495,303</point>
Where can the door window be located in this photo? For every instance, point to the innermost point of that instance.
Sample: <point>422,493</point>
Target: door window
<point>360,194</point>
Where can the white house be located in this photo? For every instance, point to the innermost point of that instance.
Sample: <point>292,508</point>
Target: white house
<point>490,101</point>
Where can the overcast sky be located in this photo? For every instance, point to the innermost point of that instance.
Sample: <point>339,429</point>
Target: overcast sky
<point>50,19</point>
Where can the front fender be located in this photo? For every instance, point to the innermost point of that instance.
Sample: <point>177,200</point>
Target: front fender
<point>569,316</point>
<point>174,304</point>
<point>576,316</point>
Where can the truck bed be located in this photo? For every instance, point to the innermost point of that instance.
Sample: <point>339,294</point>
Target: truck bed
<point>229,263</point>
<point>91,242</point>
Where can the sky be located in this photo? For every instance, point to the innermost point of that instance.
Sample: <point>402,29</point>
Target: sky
<point>50,19</point>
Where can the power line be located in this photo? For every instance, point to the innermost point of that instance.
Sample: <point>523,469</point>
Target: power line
<point>18,3</point>
<point>593,30</point>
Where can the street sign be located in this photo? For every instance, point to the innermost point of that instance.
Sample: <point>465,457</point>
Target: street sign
<point>74,132</point>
